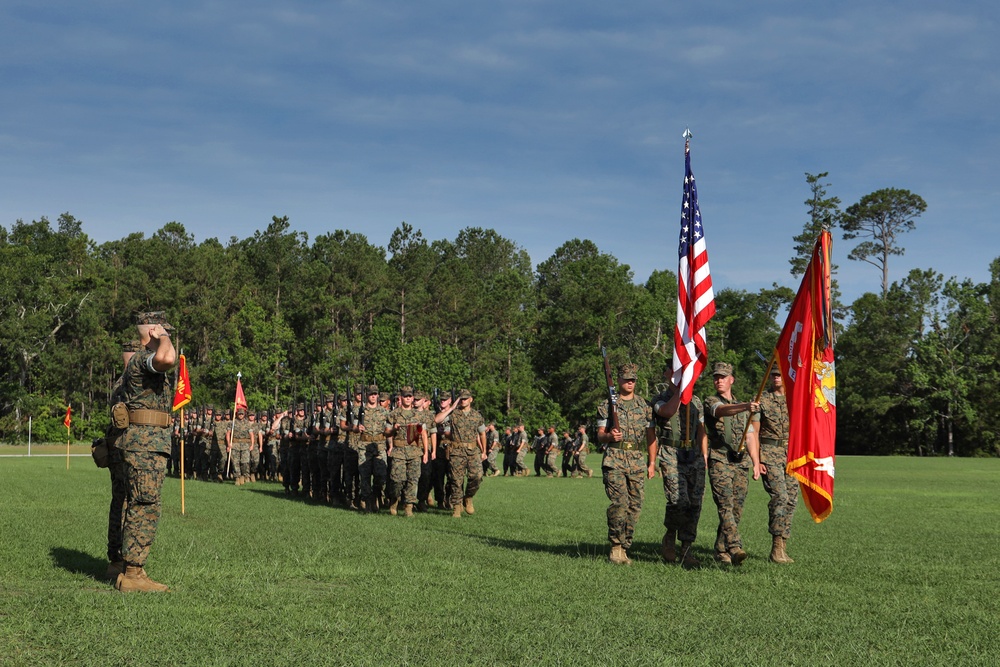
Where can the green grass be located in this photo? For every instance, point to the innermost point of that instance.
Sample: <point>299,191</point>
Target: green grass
<point>905,571</point>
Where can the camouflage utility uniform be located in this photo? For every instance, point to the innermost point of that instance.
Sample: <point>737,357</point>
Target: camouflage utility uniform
<point>625,467</point>
<point>145,448</point>
<point>407,453</point>
<point>727,472</point>
<point>783,488</point>
<point>682,466</point>
<point>465,456</point>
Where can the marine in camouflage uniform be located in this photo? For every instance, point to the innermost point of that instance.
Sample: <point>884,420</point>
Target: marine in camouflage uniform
<point>147,393</point>
<point>328,432</point>
<point>772,430</point>
<point>492,448</point>
<point>725,420</point>
<point>507,443</point>
<point>238,443</point>
<point>423,403</point>
<point>521,452</point>
<point>683,447</point>
<point>354,452</point>
<point>551,449</point>
<point>217,446</point>
<point>567,446</point>
<point>374,468</point>
<point>538,445</point>
<point>439,447</point>
<point>581,447</point>
<point>119,482</point>
<point>407,430</point>
<point>466,452</point>
<point>628,461</point>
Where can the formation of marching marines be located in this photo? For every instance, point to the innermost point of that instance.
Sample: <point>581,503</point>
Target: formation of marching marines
<point>371,451</point>
<point>368,451</point>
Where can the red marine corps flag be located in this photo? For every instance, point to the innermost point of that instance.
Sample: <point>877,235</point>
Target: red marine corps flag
<point>182,396</point>
<point>241,400</point>
<point>805,355</point>
<point>68,419</point>
<point>695,298</point>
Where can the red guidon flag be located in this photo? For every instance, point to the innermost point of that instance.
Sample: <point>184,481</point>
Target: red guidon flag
<point>241,400</point>
<point>805,355</point>
<point>182,396</point>
<point>68,419</point>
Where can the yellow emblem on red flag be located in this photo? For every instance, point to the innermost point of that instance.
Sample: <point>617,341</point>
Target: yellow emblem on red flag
<point>241,400</point>
<point>805,355</point>
<point>182,396</point>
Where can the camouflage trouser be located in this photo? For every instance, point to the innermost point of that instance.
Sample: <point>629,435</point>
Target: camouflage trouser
<point>519,466</point>
<point>624,483</point>
<point>568,464</point>
<point>116,513</point>
<point>203,456</point>
<point>317,470</point>
<point>783,489</point>
<point>144,472</point>
<point>464,460</point>
<point>284,469</point>
<point>294,476</point>
<point>508,462</point>
<point>404,475</point>
<point>335,471</point>
<point>353,455</point>
<point>373,469</point>
<point>425,482</point>
<point>729,490</point>
<point>580,465</point>
<point>439,475</point>
<point>550,463</point>
<point>684,488</point>
<point>490,464</point>
<point>254,459</point>
<point>216,461</point>
<point>240,463</point>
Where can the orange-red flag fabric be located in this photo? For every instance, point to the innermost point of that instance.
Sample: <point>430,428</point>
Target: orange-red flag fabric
<point>241,400</point>
<point>805,355</point>
<point>182,395</point>
<point>68,420</point>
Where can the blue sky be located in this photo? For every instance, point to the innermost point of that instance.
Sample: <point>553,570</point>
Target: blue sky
<point>543,120</point>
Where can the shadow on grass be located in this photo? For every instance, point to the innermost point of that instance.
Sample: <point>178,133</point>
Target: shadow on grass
<point>642,552</point>
<point>78,562</point>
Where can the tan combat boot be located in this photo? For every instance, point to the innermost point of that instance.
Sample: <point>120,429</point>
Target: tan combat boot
<point>456,511</point>
<point>392,507</point>
<point>668,548</point>
<point>408,509</point>
<point>737,555</point>
<point>723,558</point>
<point>778,554</point>
<point>618,555</point>
<point>135,579</point>
<point>469,509</point>
<point>687,558</point>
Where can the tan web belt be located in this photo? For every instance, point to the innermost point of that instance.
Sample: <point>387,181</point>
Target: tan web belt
<point>773,441</point>
<point>149,418</point>
<point>627,446</point>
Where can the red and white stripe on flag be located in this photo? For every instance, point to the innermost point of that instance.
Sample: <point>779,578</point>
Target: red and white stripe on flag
<point>695,298</point>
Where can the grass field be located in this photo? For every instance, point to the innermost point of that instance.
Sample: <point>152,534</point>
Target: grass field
<point>905,571</point>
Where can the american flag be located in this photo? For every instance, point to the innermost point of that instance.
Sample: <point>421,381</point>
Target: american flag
<point>695,299</point>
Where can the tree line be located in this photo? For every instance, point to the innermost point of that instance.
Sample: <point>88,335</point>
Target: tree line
<point>300,318</point>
